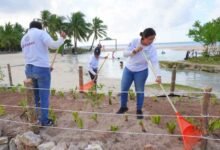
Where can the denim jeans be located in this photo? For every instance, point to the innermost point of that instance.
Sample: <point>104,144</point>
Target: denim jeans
<point>41,78</point>
<point>139,79</point>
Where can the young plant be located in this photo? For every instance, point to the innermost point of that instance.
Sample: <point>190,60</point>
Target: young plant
<point>114,128</point>
<point>80,123</point>
<point>20,88</point>
<point>131,94</point>
<point>171,126</point>
<point>61,94</point>
<point>95,117</point>
<point>53,92</point>
<point>94,98</point>
<point>23,103</point>
<point>214,100</point>
<point>214,125</point>
<point>1,75</point>
<point>2,111</point>
<point>141,123</point>
<point>110,97</point>
<point>155,119</point>
<point>52,115</point>
<point>74,93</point>
<point>75,116</point>
<point>154,98</point>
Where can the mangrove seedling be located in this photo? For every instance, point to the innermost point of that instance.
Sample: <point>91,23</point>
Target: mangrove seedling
<point>53,92</point>
<point>214,100</point>
<point>141,123</point>
<point>1,75</point>
<point>214,124</point>
<point>131,94</point>
<point>61,94</point>
<point>114,128</point>
<point>23,103</point>
<point>95,117</point>
<point>110,97</point>
<point>171,126</point>
<point>75,116</point>
<point>80,123</point>
<point>154,98</point>
<point>94,98</point>
<point>155,119</point>
<point>20,88</point>
<point>2,110</point>
<point>74,93</point>
<point>52,115</point>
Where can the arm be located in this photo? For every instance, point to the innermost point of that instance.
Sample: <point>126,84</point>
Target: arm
<point>48,41</point>
<point>90,67</point>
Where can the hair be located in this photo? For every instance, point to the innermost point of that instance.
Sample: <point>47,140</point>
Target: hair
<point>97,52</point>
<point>147,32</point>
<point>36,24</point>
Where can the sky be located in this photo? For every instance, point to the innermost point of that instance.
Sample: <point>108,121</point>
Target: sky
<point>125,18</point>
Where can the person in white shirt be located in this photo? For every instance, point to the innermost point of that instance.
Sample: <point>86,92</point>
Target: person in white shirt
<point>35,44</point>
<point>136,69</point>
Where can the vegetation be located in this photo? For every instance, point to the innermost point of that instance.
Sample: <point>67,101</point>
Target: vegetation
<point>53,92</point>
<point>141,123</point>
<point>208,34</point>
<point>95,117</point>
<point>97,30</point>
<point>1,75</point>
<point>213,60</point>
<point>171,126</point>
<point>131,94</point>
<point>2,111</point>
<point>75,25</point>
<point>94,98</point>
<point>74,93</point>
<point>156,119</point>
<point>110,97</point>
<point>80,123</point>
<point>214,125</point>
<point>61,94</point>
<point>52,115</point>
<point>10,37</point>
<point>114,128</point>
<point>75,116</point>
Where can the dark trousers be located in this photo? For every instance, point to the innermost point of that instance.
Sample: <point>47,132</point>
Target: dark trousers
<point>92,76</point>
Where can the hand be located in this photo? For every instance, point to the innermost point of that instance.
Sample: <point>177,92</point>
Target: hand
<point>95,78</point>
<point>106,57</point>
<point>63,34</point>
<point>158,79</point>
<point>51,69</point>
<point>139,48</point>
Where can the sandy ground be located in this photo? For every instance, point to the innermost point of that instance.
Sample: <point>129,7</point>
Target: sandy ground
<point>110,141</point>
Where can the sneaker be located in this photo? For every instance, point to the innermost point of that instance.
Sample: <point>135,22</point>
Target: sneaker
<point>140,114</point>
<point>122,110</point>
<point>49,123</point>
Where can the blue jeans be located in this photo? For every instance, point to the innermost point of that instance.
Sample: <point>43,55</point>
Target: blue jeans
<point>41,78</point>
<point>139,79</point>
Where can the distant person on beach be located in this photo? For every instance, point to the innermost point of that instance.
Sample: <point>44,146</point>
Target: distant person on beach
<point>35,44</point>
<point>136,69</point>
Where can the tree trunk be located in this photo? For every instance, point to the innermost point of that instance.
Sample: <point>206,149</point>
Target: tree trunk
<point>92,43</point>
<point>75,44</point>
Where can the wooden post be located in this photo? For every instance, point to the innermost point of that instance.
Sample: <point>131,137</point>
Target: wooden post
<point>204,112</point>
<point>30,100</point>
<point>173,81</point>
<point>80,78</point>
<point>9,74</point>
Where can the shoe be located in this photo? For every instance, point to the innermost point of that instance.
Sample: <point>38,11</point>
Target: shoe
<point>122,110</point>
<point>49,123</point>
<point>140,114</point>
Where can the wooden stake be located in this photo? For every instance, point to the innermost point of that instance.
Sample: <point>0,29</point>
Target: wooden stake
<point>204,112</point>
<point>80,78</point>
<point>9,74</point>
<point>173,81</point>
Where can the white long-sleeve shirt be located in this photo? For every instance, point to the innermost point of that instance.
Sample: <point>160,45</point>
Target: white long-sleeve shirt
<point>35,44</point>
<point>138,62</point>
<point>93,64</point>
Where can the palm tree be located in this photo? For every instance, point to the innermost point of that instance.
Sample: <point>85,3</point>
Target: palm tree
<point>98,30</point>
<point>79,27</point>
<point>45,15</point>
<point>10,36</point>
